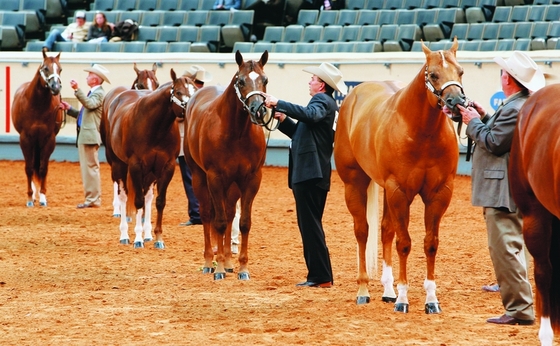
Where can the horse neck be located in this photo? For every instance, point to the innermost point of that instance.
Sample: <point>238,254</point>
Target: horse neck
<point>426,118</point>
<point>39,91</point>
<point>235,118</point>
<point>158,102</point>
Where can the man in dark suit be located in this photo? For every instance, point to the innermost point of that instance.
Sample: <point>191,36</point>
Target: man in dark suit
<point>492,136</point>
<point>309,172</point>
<point>88,119</point>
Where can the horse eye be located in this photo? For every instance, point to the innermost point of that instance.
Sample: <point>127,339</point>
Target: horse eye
<point>433,76</point>
<point>265,81</point>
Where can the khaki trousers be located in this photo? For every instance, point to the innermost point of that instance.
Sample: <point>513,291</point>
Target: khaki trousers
<point>91,177</point>
<point>507,251</point>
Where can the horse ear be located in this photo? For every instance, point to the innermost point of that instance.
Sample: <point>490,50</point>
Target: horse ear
<point>425,49</point>
<point>173,75</point>
<point>154,67</point>
<point>264,58</point>
<point>238,58</point>
<point>136,69</point>
<point>454,47</point>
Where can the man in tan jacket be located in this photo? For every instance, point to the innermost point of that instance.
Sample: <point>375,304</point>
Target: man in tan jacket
<point>89,137</point>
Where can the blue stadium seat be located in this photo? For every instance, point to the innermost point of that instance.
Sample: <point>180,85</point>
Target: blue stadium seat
<point>307,17</point>
<point>284,47</point>
<point>347,17</point>
<point>273,34</point>
<point>188,33</point>
<point>292,33</point>
<point>243,47</point>
<point>261,46</point>
<point>168,33</point>
<point>179,47</point>
<point>324,47</point>
<point>367,17</point>
<point>110,47</point>
<point>133,47</point>
<point>304,47</point>
<point>311,33</point>
<point>174,18</point>
<point>156,47</point>
<point>327,18</point>
<point>332,33</point>
<point>350,33</point>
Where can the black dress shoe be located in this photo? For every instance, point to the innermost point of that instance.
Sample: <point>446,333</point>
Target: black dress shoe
<point>86,205</point>
<point>505,319</point>
<point>314,284</point>
<point>191,223</point>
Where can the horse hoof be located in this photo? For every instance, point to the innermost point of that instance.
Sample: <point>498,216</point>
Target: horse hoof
<point>159,245</point>
<point>229,270</point>
<point>207,270</point>
<point>148,239</point>
<point>362,300</point>
<point>388,299</point>
<point>125,241</point>
<point>432,308</point>
<point>401,307</point>
<point>29,204</point>
<point>128,219</point>
<point>138,245</point>
<point>243,276</point>
<point>219,276</point>
<point>43,204</point>
<point>116,215</point>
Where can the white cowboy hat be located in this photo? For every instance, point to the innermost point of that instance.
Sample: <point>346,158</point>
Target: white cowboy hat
<point>330,75</point>
<point>100,71</point>
<point>521,67</point>
<point>198,73</point>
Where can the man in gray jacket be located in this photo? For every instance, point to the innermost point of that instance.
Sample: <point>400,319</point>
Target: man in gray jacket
<point>492,136</point>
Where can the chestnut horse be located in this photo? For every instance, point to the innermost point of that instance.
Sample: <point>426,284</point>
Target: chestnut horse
<point>145,80</point>
<point>225,149</point>
<point>534,174</point>
<point>400,139</point>
<point>144,142</point>
<point>37,116</point>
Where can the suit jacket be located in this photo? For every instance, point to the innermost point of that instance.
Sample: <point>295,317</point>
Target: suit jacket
<point>312,139</point>
<point>492,138</point>
<point>88,133</point>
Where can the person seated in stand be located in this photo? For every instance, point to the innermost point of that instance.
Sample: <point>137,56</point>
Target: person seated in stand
<point>267,13</point>
<point>231,5</point>
<point>323,5</point>
<point>74,32</point>
<point>100,30</point>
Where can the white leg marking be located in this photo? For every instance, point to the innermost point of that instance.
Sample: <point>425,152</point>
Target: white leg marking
<point>546,335</point>
<point>430,287</point>
<point>403,294</point>
<point>42,199</point>
<point>148,213</point>
<point>116,202</point>
<point>387,281</point>
<point>138,227</point>
<point>123,226</point>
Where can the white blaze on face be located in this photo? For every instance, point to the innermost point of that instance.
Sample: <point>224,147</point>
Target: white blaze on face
<point>150,85</point>
<point>443,59</point>
<point>55,68</point>
<point>253,75</point>
<point>191,90</point>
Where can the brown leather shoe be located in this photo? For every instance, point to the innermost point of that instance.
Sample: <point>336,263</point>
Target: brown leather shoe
<point>505,319</point>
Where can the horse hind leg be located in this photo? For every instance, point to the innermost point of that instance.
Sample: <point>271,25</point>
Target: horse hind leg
<point>147,221</point>
<point>138,230</point>
<point>123,227</point>
<point>116,202</point>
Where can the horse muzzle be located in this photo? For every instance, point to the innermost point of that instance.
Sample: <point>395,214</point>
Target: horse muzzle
<point>452,101</point>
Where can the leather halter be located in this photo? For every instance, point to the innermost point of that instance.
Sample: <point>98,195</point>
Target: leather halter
<point>439,92</point>
<point>252,116</point>
<point>48,78</point>
<point>175,100</point>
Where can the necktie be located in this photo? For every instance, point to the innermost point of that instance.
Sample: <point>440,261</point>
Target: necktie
<point>79,121</point>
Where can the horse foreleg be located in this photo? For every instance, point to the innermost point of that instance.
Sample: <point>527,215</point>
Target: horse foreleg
<point>208,251</point>
<point>123,226</point>
<point>387,237</point>
<point>147,220</point>
<point>45,153</point>
<point>116,202</point>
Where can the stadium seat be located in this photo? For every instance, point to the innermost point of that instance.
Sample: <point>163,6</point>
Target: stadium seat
<point>449,17</point>
<point>327,18</point>
<point>304,47</point>
<point>332,33</point>
<point>156,47</point>
<point>34,46</point>
<point>539,35</point>
<point>260,47</point>
<point>273,34</point>
<point>475,15</point>
<point>135,15</point>
<point>63,47</point>
<point>239,28</point>
<point>344,47</point>
<point>283,47</point>
<point>147,5</point>
<point>388,32</point>
<point>324,47</point>
<point>206,5</point>
<point>168,33</point>
<point>152,18</point>
<point>355,4</point>
<point>110,47</point>
<point>171,5</point>
<point>208,39</point>
<point>552,13</point>
<point>197,18</point>
<point>13,31</point>
<point>293,33</point>
<point>243,47</point>
<point>86,47</point>
<point>125,5</point>
<point>369,33</point>
<point>537,13</point>
<point>523,44</point>
<point>103,5</point>
<point>505,44</point>
<point>220,18</point>
<point>189,5</point>
<point>347,17</point>
<point>9,5</point>
<point>514,2</point>
<point>506,30</point>
<point>147,33</point>
<point>35,11</point>
<point>374,4</point>
<point>523,30</point>
<point>179,47</point>
<point>406,35</point>
<point>471,46</point>
<point>502,14</point>
<point>386,17</point>
<point>307,17</point>
<point>174,18</point>
<point>363,47</point>
<point>133,47</point>
<point>519,13</point>
<point>188,33</point>
<point>439,45</point>
<point>459,30</point>
<point>475,31</point>
<point>432,4</point>
<point>311,33</point>
<point>350,33</point>
<point>425,17</point>
<point>412,4</point>
<point>487,45</point>
<point>405,17</point>
<point>367,17</point>
<point>393,5</point>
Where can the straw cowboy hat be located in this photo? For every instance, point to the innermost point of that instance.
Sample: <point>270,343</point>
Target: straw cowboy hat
<point>100,71</point>
<point>330,75</point>
<point>521,67</point>
<point>198,73</point>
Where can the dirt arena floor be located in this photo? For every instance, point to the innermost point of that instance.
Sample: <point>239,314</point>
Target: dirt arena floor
<point>66,280</point>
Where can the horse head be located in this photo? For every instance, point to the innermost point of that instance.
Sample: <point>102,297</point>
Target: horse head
<point>250,84</point>
<point>443,76</point>
<point>146,79</point>
<point>182,89</point>
<point>50,71</point>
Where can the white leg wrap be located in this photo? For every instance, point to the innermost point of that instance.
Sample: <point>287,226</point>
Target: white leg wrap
<point>403,294</point>
<point>116,202</point>
<point>430,287</point>
<point>147,227</point>
<point>138,228</point>
<point>387,281</point>
<point>123,226</point>
<point>546,335</point>
<point>42,199</point>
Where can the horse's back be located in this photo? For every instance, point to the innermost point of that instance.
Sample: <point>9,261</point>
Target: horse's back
<point>539,139</point>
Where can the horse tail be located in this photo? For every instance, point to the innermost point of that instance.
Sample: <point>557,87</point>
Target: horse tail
<point>130,196</point>
<point>554,292</point>
<point>373,223</point>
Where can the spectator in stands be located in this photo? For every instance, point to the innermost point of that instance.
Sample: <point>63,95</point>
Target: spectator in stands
<point>231,5</point>
<point>74,32</point>
<point>100,30</point>
<point>324,5</point>
<point>267,13</point>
